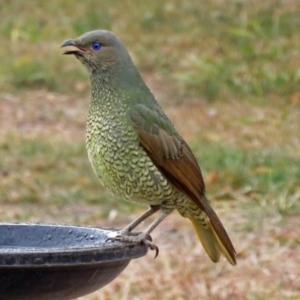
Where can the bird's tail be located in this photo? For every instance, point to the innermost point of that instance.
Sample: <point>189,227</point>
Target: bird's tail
<point>213,238</point>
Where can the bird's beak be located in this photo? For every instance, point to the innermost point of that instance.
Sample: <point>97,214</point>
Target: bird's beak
<point>68,43</point>
<point>74,44</point>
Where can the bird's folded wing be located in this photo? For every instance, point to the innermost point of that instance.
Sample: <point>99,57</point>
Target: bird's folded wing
<point>169,152</point>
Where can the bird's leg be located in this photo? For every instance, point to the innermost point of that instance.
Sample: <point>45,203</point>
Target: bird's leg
<point>142,237</point>
<point>153,209</point>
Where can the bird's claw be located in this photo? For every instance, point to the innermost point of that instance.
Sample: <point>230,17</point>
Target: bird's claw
<point>152,246</point>
<point>135,239</point>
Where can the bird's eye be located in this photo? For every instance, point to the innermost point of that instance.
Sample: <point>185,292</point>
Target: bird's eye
<point>96,46</point>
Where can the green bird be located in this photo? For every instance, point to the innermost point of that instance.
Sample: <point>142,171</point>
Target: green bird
<point>135,150</point>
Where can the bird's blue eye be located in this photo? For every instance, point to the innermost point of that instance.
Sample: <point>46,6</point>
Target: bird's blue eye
<point>96,46</point>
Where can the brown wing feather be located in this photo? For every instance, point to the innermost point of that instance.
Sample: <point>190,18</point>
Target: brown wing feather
<point>175,160</point>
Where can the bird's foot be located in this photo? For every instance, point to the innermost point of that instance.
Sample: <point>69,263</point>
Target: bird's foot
<point>142,238</point>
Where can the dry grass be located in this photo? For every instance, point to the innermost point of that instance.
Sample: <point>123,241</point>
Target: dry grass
<point>266,269</point>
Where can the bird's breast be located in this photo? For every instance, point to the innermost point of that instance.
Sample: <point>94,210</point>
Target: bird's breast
<point>121,164</point>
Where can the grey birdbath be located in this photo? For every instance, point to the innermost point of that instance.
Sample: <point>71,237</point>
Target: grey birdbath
<point>51,261</point>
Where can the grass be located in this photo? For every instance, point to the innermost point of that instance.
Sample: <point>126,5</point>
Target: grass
<point>60,172</point>
<point>227,74</point>
<point>251,55</point>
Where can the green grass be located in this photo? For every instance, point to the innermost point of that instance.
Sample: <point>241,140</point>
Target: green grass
<point>244,50</point>
<point>57,173</point>
<point>50,173</point>
<point>267,178</point>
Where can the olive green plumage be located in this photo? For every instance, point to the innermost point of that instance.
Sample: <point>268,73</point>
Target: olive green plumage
<point>135,150</point>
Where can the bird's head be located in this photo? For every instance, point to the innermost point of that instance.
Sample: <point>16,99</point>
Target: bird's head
<point>98,50</point>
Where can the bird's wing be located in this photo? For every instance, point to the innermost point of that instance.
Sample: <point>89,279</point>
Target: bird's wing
<point>168,151</point>
<point>173,157</point>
